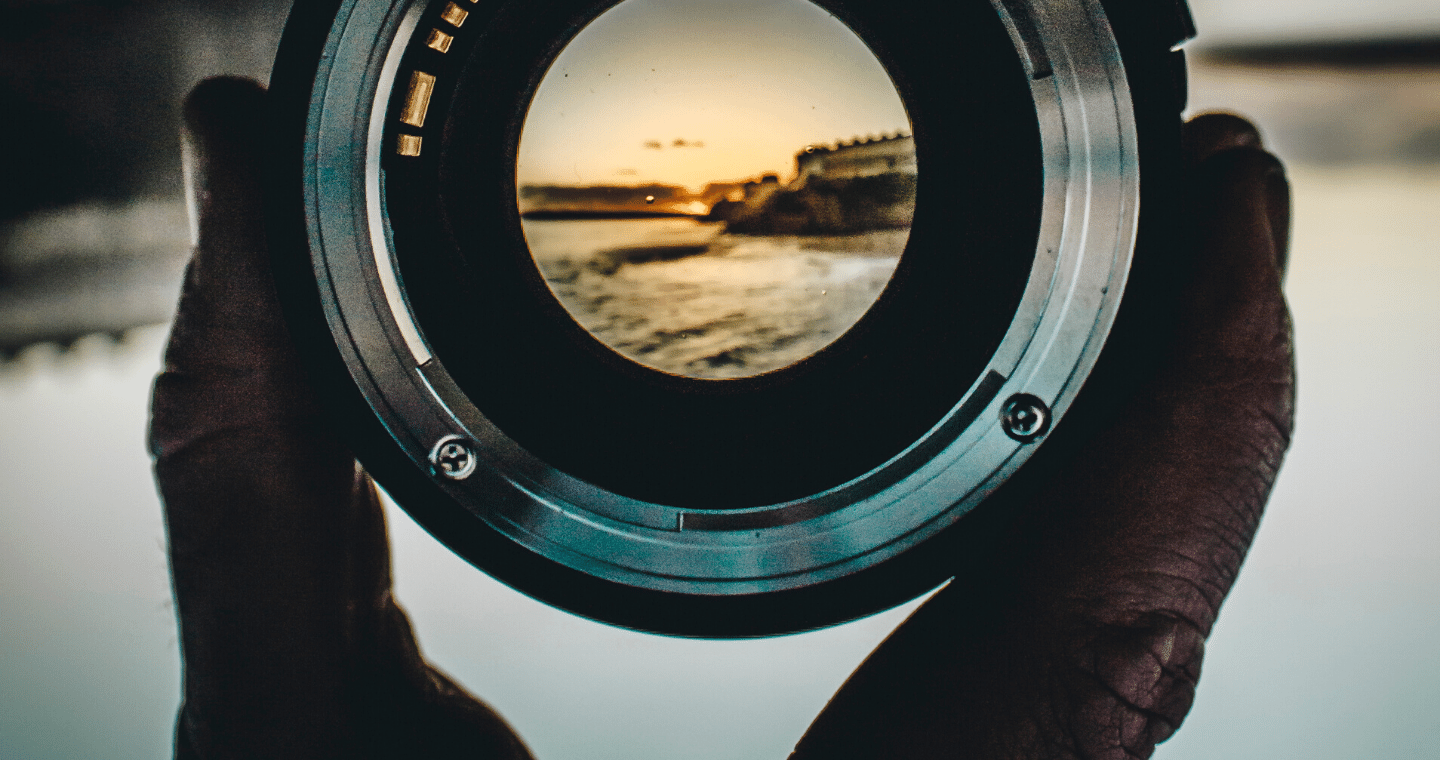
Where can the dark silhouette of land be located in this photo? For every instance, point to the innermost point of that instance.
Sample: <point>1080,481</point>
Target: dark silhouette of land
<point>851,187</point>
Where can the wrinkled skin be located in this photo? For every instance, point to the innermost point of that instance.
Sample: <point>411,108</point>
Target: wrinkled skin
<point>1090,648</point>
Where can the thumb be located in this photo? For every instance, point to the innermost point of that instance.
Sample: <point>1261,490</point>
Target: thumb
<point>277,546</point>
<point>229,351</point>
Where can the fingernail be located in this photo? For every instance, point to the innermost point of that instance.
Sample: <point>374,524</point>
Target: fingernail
<point>190,170</point>
<point>1277,200</point>
<point>1164,646</point>
<point>223,129</point>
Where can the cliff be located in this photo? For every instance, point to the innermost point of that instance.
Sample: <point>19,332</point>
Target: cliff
<point>824,206</point>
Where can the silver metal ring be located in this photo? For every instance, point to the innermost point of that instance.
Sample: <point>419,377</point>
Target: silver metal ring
<point>1082,257</point>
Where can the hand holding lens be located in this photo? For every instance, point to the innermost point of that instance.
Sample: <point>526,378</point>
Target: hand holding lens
<point>738,372</point>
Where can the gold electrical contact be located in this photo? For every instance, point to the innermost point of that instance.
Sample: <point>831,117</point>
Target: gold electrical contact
<point>439,41</point>
<point>418,101</point>
<point>453,15</point>
<point>408,145</point>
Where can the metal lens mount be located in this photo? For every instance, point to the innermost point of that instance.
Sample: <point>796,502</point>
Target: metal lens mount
<point>657,559</point>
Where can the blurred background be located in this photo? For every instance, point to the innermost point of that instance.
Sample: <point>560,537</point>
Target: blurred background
<point>1325,649</point>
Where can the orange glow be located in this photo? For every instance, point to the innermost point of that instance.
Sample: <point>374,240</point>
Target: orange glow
<point>688,92</point>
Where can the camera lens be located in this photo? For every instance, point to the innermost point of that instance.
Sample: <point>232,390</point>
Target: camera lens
<point>648,309</point>
<point>670,435</point>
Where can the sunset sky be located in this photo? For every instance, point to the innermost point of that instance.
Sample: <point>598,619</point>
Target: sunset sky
<point>692,91</point>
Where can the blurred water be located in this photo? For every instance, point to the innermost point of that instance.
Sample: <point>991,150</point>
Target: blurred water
<point>685,297</point>
<point>89,666</point>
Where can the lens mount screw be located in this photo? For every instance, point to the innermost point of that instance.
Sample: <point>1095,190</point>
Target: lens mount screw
<point>453,457</point>
<point>1025,417</point>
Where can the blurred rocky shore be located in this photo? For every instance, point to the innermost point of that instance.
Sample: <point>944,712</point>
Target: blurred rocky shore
<point>823,206</point>
<point>861,185</point>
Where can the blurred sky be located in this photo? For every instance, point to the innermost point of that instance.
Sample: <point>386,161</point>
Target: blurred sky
<point>692,91</point>
<point>1240,21</point>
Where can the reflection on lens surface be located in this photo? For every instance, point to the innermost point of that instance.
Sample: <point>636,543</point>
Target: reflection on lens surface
<point>716,189</point>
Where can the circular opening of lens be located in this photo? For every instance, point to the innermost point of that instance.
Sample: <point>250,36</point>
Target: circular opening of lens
<point>716,190</point>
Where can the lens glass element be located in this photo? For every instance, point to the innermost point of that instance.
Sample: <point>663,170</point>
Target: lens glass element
<point>716,190</point>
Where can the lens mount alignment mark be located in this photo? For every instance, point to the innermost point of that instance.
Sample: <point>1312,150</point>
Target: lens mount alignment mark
<point>1027,37</point>
<point>453,15</point>
<point>439,41</point>
<point>418,101</point>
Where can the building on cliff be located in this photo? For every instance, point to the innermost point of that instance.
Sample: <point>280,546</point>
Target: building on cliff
<point>861,157</point>
<point>858,186</point>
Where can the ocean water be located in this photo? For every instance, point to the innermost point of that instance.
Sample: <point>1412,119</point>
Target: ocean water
<point>685,297</point>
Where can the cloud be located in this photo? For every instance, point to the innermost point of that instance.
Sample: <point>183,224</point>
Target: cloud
<point>678,142</point>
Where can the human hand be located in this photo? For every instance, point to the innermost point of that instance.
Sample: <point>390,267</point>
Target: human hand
<point>1087,644</point>
<point>293,646</point>
<point>1081,634</point>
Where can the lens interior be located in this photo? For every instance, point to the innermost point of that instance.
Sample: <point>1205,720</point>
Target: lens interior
<point>529,365</point>
<point>716,190</point>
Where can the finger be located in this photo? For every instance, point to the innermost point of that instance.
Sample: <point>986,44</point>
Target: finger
<point>229,355</point>
<point>277,545</point>
<point>1084,636</point>
<point>1241,232</point>
<point>1211,133</point>
<point>1148,536</point>
<point>293,645</point>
